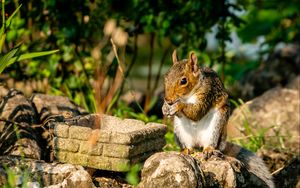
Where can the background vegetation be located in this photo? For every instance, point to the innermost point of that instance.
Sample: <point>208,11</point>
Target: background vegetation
<point>107,48</point>
<point>98,50</point>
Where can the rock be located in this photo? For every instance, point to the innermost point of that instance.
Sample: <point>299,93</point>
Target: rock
<point>52,109</point>
<point>275,159</point>
<point>107,142</point>
<point>177,170</point>
<point>281,67</point>
<point>276,112</point>
<point>38,173</point>
<point>107,179</point>
<point>26,147</point>
<point>294,84</point>
<point>289,175</point>
<point>79,178</point>
<point>51,106</point>
<point>3,91</point>
<point>17,135</point>
<point>15,107</point>
<point>25,125</point>
<point>169,170</point>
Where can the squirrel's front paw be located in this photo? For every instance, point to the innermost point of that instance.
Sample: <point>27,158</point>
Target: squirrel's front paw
<point>174,108</point>
<point>170,110</point>
<point>165,109</point>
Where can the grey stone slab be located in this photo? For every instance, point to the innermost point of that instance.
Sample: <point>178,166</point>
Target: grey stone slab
<point>107,142</point>
<point>116,150</point>
<point>114,130</point>
<point>146,146</point>
<point>130,131</point>
<point>129,151</point>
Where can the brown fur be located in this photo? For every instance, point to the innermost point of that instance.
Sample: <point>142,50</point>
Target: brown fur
<point>203,82</point>
<point>210,93</point>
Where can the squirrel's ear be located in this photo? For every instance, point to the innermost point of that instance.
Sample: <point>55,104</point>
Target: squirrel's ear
<point>174,57</point>
<point>193,62</point>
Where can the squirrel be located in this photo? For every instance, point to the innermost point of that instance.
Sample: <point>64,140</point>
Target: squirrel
<point>198,101</point>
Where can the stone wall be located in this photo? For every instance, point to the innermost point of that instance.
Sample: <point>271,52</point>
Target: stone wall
<point>106,142</point>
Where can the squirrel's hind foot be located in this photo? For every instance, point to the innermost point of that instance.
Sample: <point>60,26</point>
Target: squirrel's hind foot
<point>208,152</point>
<point>187,151</point>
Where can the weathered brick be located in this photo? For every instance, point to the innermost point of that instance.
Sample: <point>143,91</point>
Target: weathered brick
<point>147,145</point>
<point>89,148</point>
<point>60,155</point>
<point>61,130</point>
<point>114,144</point>
<point>66,144</point>
<point>80,159</point>
<point>99,162</point>
<point>104,136</point>
<point>120,138</point>
<point>127,151</point>
<point>116,150</point>
<point>119,165</point>
<point>80,133</point>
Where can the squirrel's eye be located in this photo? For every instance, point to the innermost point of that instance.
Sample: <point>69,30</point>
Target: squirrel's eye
<point>183,81</point>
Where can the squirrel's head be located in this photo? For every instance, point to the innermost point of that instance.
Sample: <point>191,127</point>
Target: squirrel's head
<point>181,78</point>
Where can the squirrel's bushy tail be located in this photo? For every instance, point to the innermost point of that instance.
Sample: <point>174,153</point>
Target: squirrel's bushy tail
<point>253,163</point>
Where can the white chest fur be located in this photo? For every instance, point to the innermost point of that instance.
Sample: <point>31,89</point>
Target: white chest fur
<point>193,134</point>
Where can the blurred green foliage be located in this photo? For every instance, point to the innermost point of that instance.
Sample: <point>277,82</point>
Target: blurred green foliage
<point>76,29</point>
<point>79,30</point>
<point>133,175</point>
<point>9,32</point>
<point>278,21</point>
<point>17,180</point>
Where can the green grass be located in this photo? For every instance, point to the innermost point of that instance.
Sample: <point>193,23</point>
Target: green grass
<point>254,136</point>
<point>132,176</point>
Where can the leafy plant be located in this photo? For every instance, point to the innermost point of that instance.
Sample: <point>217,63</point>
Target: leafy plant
<point>132,176</point>
<point>252,140</point>
<point>171,145</point>
<point>278,21</point>
<point>17,179</point>
<point>12,55</point>
<point>124,111</point>
<point>72,71</point>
